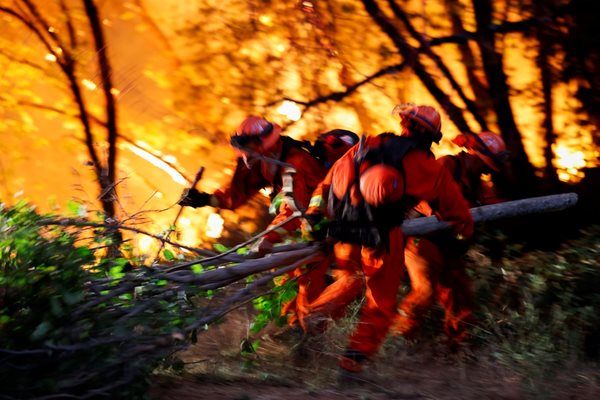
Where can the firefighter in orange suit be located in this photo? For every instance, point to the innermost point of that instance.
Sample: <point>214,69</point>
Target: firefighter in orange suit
<point>259,141</point>
<point>364,198</point>
<point>435,265</point>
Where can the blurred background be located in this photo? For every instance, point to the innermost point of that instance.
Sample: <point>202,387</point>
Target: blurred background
<point>130,98</point>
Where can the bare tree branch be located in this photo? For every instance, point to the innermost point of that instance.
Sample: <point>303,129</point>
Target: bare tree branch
<point>410,55</point>
<point>425,48</point>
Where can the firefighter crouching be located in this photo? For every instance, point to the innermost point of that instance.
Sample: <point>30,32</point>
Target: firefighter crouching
<point>365,196</point>
<point>435,265</point>
<point>258,143</point>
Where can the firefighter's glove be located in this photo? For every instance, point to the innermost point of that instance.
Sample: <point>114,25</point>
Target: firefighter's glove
<point>314,227</point>
<point>261,247</point>
<point>194,198</point>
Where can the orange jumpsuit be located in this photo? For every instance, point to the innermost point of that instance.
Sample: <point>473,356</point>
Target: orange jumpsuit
<point>246,182</point>
<point>379,270</point>
<point>436,269</point>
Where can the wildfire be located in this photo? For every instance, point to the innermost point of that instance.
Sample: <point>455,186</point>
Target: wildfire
<point>145,244</point>
<point>89,84</point>
<point>569,162</point>
<point>266,20</point>
<point>214,226</point>
<point>290,110</point>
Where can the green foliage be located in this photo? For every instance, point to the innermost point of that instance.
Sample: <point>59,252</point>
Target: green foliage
<point>270,306</point>
<point>74,322</point>
<point>41,278</point>
<point>220,248</point>
<point>539,308</point>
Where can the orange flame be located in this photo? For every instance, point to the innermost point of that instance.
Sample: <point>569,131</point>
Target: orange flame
<point>569,163</point>
<point>214,226</point>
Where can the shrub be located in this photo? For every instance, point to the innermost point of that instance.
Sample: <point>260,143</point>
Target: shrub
<point>539,309</point>
<point>70,324</point>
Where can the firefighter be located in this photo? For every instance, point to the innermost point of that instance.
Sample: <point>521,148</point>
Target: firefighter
<point>263,156</point>
<point>435,265</point>
<point>364,198</point>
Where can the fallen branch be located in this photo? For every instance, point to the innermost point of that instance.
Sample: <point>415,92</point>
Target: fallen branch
<point>509,209</point>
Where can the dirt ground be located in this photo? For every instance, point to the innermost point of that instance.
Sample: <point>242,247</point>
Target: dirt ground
<point>285,367</point>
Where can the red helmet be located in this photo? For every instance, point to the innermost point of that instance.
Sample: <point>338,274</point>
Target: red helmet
<point>425,116</point>
<point>333,144</point>
<point>488,146</point>
<point>258,132</point>
<point>381,184</point>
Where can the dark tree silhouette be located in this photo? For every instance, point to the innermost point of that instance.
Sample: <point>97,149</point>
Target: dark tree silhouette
<point>64,46</point>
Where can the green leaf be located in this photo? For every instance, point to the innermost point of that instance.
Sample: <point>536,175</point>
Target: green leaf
<point>116,272</point>
<point>220,248</point>
<point>73,207</point>
<point>168,254</point>
<point>84,252</point>
<point>243,250</point>
<point>126,296</point>
<point>197,268</point>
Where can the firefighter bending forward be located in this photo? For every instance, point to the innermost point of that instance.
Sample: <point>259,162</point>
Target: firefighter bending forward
<point>365,196</point>
<point>435,264</point>
<point>257,136</point>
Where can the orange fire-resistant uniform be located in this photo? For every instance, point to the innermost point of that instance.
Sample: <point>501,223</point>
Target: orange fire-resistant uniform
<point>435,265</point>
<point>246,182</point>
<point>379,270</point>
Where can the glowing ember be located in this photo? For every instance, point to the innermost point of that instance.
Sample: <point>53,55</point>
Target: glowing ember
<point>290,110</point>
<point>569,162</point>
<point>567,158</point>
<point>266,20</point>
<point>279,49</point>
<point>145,243</point>
<point>214,225</point>
<point>50,57</point>
<point>88,84</point>
<point>184,222</point>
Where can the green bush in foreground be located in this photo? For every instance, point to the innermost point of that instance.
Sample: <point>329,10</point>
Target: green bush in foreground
<point>69,322</point>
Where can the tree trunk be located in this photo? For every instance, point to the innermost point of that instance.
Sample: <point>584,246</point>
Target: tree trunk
<point>497,82</point>
<point>108,178</point>
<point>109,170</point>
<point>479,88</point>
<point>543,61</point>
<point>508,209</point>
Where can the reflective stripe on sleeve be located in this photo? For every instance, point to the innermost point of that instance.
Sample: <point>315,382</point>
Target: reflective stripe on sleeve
<point>316,202</point>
